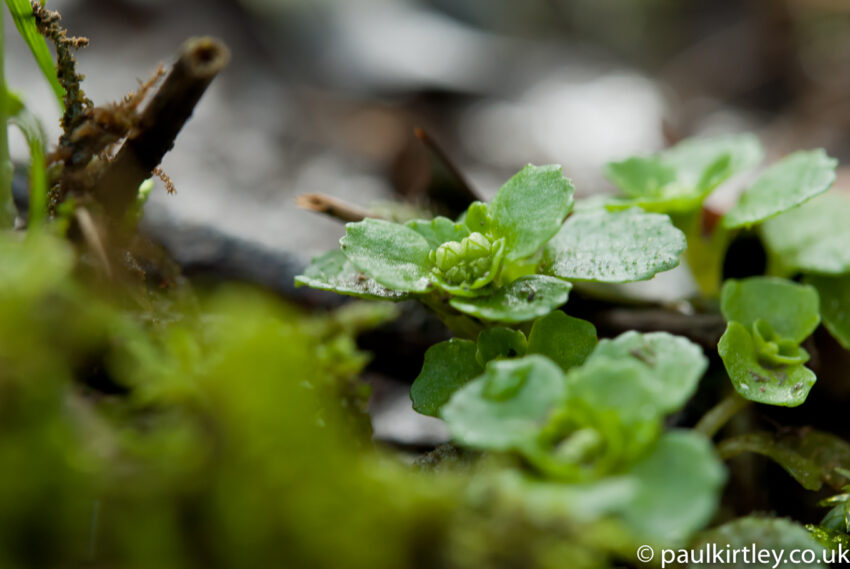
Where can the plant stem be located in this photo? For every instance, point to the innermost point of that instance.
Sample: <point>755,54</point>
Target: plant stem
<point>459,325</point>
<point>720,414</point>
<point>705,253</point>
<point>7,206</point>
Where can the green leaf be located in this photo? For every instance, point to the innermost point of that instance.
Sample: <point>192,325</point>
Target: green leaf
<point>530,208</point>
<point>22,15</point>
<point>565,340</point>
<point>812,238</point>
<point>678,488</point>
<point>694,158</point>
<point>834,293</point>
<point>787,184</point>
<point>614,247</point>
<point>505,408</point>
<point>761,534</point>
<point>448,366</point>
<point>500,343</point>
<point>786,385</point>
<point>675,364</point>
<point>332,271</point>
<point>621,386</point>
<point>791,309</point>
<point>33,132</point>
<point>609,421</point>
<point>438,230</point>
<point>641,177</point>
<point>394,255</point>
<point>526,298</point>
<point>811,457</point>
<point>678,179</point>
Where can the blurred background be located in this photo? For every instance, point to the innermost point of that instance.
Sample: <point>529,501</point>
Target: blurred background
<point>324,95</point>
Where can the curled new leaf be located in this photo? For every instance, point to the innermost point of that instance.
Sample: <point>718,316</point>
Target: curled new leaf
<point>759,380</point>
<point>789,308</point>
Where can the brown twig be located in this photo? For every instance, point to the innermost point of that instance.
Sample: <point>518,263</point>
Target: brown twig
<point>332,207</point>
<point>200,61</point>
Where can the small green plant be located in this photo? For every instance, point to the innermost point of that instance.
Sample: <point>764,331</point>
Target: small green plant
<point>509,261</point>
<point>583,420</point>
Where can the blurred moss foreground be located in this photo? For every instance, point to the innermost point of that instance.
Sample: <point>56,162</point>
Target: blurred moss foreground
<point>155,430</point>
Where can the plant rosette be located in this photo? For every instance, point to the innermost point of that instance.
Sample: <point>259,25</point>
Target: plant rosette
<point>509,261</point>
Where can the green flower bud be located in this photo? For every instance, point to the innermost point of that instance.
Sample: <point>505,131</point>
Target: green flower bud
<point>476,245</point>
<point>448,255</point>
<point>463,267</point>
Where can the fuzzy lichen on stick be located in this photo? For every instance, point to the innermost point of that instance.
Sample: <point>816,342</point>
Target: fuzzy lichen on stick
<point>200,60</point>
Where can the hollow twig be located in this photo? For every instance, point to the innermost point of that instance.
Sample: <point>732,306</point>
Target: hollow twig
<point>332,207</point>
<point>200,61</point>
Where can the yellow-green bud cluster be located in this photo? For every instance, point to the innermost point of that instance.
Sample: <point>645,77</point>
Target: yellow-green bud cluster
<point>464,262</point>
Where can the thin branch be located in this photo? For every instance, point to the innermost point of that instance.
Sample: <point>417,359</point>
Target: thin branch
<point>332,207</point>
<point>199,62</point>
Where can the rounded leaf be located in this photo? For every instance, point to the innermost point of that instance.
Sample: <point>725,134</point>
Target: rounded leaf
<point>678,486</point>
<point>812,238</point>
<point>394,255</point>
<point>505,408</point>
<point>530,208</point>
<point>675,364</point>
<point>787,184</point>
<point>333,272</point>
<point>526,298</point>
<point>447,367</point>
<point>614,247</point>
<point>565,340</point>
